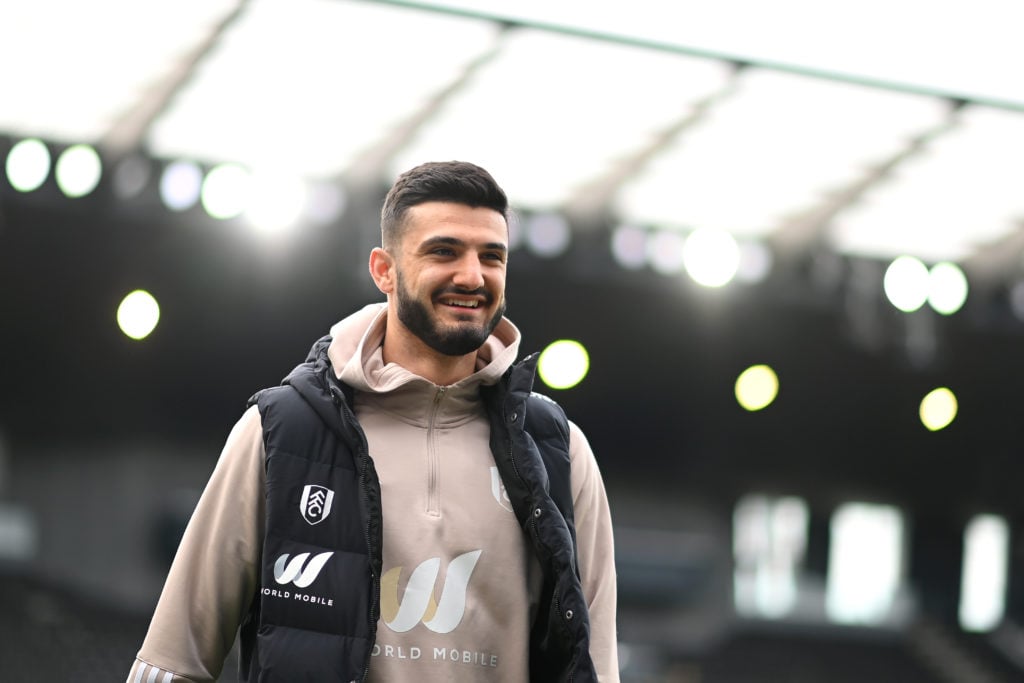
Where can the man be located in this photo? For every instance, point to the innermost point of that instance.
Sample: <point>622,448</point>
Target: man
<point>402,508</point>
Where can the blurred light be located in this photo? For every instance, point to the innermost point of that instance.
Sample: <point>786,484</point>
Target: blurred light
<point>779,142</point>
<point>947,288</point>
<point>769,545</point>
<point>180,185</point>
<point>906,283</point>
<point>276,202</point>
<point>926,210</point>
<point>563,122</point>
<point>19,533</point>
<point>755,262</point>
<point>131,176</point>
<point>563,364</point>
<point>238,105</point>
<point>515,231</point>
<point>629,247</point>
<point>938,409</point>
<point>983,575</point>
<point>1017,299</point>
<point>757,387</point>
<point>326,203</point>
<point>138,314</point>
<point>78,170</point>
<point>547,234</point>
<point>226,191</point>
<point>711,257</point>
<point>865,563</point>
<point>665,251</point>
<point>28,164</point>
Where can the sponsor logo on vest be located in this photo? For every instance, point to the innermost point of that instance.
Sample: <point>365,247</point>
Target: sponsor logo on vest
<point>298,597</point>
<point>498,490</point>
<point>418,603</point>
<point>300,572</point>
<point>316,503</point>
<point>297,571</point>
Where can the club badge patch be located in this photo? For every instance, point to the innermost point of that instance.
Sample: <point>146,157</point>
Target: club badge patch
<point>316,503</point>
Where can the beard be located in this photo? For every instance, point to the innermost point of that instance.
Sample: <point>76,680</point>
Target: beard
<point>454,340</point>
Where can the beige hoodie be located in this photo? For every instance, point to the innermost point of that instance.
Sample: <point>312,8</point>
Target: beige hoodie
<point>459,587</point>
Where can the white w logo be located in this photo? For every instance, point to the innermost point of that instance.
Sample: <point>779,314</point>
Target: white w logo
<point>294,572</point>
<point>418,603</point>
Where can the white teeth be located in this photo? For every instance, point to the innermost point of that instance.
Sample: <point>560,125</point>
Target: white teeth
<point>464,304</point>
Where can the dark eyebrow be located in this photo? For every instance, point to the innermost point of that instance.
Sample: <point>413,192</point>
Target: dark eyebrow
<point>455,242</point>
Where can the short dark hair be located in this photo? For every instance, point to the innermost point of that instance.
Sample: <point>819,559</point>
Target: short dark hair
<point>438,181</point>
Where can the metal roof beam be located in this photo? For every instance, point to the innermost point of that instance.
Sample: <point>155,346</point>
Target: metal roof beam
<point>872,82</point>
<point>128,132</point>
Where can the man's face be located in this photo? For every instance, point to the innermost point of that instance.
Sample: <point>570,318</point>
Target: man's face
<point>450,275</point>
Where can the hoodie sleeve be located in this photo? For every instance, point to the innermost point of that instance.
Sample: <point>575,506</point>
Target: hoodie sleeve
<point>596,554</point>
<point>214,574</point>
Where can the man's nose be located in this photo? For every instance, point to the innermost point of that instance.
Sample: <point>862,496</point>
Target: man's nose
<point>468,274</point>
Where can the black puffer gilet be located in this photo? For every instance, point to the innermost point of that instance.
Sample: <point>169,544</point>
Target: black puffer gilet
<point>324,630</point>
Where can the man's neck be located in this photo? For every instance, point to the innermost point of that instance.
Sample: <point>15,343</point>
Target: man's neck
<point>404,348</point>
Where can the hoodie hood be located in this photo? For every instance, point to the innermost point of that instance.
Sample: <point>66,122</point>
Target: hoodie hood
<point>356,353</point>
<point>353,353</point>
<point>311,379</point>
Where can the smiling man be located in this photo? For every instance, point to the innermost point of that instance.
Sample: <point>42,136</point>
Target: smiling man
<point>402,507</point>
<point>445,272</point>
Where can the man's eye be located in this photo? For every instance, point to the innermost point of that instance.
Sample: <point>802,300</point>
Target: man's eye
<point>443,251</point>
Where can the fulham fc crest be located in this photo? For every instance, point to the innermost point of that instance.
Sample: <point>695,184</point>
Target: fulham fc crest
<point>316,503</point>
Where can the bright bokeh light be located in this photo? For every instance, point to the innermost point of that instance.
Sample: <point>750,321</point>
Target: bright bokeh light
<point>865,563</point>
<point>28,164</point>
<point>78,170</point>
<point>906,283</point>
<point>138,314</point>
<point>277,201</point>
<point>180,185</point>
<point>547,234</point>
<point>947,288</point>
<point>983,574</point>
<point>629,247</point>
<point>711,257</point>
<point>938,409</point>
<point>757,387</point>
<point>563,364</point>
<point>226,191</point>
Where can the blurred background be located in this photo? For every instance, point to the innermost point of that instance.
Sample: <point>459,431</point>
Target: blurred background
<point>773,254</point>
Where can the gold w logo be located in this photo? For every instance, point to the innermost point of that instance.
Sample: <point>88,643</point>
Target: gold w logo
<point>418,603</point>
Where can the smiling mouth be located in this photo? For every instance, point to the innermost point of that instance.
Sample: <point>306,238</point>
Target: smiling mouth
<point>459,303</point>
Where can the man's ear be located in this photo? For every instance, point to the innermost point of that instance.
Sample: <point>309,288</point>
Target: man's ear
<point>382,270</point>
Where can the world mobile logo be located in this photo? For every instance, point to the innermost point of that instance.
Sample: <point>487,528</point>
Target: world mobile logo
<point>300,572</point>
<point>418,604</point>
<point>297,571</point>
